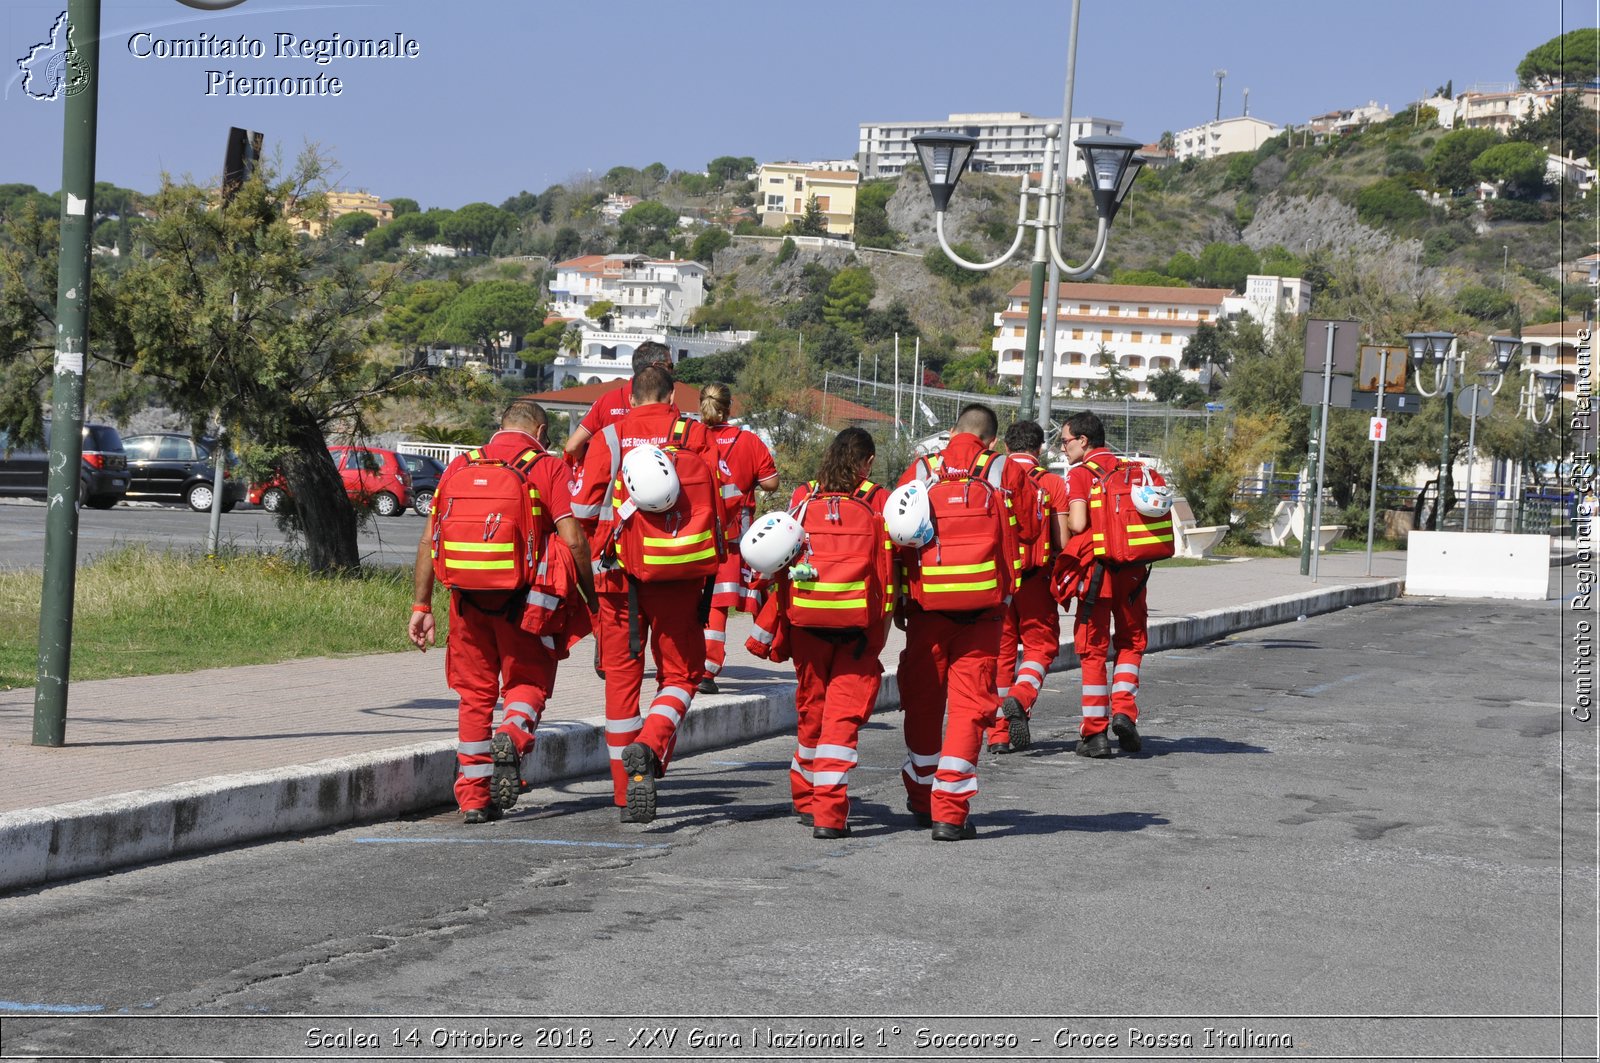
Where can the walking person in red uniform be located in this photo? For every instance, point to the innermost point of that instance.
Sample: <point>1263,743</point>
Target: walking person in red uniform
<point>1115,628</point>
<point>644,601</point>
<point>746,464</point>
<point>488,653</point>
<point>1032,626</point>
<point>837,609</point>
<point>947,671</point>
<point>614,405</point>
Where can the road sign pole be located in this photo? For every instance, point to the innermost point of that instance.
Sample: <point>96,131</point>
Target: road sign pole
<point>82,79</point>
<point>1313,512</point>
<point>1372,493</point>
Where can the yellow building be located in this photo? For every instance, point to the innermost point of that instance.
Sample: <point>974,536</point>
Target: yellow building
<point>341,203</point>
<point>783,189</point>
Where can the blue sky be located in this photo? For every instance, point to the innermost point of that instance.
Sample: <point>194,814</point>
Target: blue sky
<point>519,94</point>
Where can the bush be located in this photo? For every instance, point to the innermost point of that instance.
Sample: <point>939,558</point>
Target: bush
<point>1485,304</point>
<point>1513,210</point>
<point>786,251</point>
<point>1388,202</point>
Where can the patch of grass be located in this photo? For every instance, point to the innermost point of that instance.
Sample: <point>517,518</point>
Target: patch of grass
<point>1233,547</point>
<point>1185,562</point>
<point>142,612</point>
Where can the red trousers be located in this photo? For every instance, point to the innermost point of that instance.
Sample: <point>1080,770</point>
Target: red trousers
<point>946,678</point>
<point>1031,628</point>
<point>485,656</point>
<point>1123,610</point>
<point>670,625</point>
<point>730,590</point>
<point>836,685</point>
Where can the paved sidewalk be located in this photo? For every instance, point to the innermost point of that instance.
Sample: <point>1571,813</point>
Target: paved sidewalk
<point>160,765</point>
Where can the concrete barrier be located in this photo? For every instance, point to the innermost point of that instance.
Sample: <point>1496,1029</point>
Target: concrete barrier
<point>88,837</point>
<point>1477,565</point>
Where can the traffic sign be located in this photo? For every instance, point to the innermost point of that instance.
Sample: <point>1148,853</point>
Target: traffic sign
<point>1311,390</point>
<point>1407,402</point>
<point>1378,429</point>
<point>1346,346</point>
<point>1475,401</point>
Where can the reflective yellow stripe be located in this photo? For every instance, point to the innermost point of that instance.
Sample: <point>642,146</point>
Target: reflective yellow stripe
<point>1158,526</point>
<point>685,540</point>
<point>481,548</point>
<point>956,570</point>
<point>1147,540</point>
<point>452,563</point>
<point>930,588</point>
<point>811,603</point>
<point>858,585</point>
<point>651,559</point>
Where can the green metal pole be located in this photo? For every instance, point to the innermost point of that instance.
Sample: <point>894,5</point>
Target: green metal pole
<point>1030,348</point>
<point>1445,469</point>
<point>72,332</point>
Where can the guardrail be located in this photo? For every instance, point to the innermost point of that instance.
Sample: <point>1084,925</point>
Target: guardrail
<point>442,452</point>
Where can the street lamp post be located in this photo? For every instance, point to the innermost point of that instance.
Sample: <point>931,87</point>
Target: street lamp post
<point>1438,350</point>
<point>1537,398</point>
<point>1111,167</point>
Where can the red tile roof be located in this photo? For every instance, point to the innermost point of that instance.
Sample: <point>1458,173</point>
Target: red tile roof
<point>1132,293</point>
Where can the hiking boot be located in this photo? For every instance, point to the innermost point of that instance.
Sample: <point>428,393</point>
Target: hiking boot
<point>807,819</point>
<point>954,832</point>
<point>999,748</point>
<point>1127,734</point>
<point>924,819</point>
<point>486,814</point>
<point>1095,745</point>
<point>641,765</point>
<point>830,833</point>
<point>1017,719</point>
<point>506,784</point>
<point>708,685</point>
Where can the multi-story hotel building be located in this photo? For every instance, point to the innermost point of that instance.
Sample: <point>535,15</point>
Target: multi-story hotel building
<point>784,188</point>
<point>1009,142</point>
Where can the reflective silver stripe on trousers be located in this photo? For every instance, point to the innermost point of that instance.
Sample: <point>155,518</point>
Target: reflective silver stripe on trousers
<point>836,753</point>
<point>658,709</point>
<point>956,764</point>
<point>615,752</point>
<point>1032,666</point>
<point>470,748</point>
<point>624,727</point>
<point>1095,692</point>
<point>1133,669</point>
<point>476,771</point>
<point>794,766</point>
<point>1030,679</point>
<point>675,693</point>
<point>712,667</point>
<point>716,636</point>
<point>830,778</point>
<point>519,722</point>
<point>809,752</point>
<point>963,786</point>
<point>763,636</point>
<point>725,588</point>
<point>1124,688</point>
<point>1002,691</point>
<point>1096,711</point>
<point>522,707</point>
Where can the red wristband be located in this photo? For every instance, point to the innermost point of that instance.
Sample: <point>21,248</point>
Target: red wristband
<point>421,608</point>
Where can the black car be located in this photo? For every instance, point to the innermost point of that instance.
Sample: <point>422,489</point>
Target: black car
<point>425,472</point>
<point>173,467</point>
<point>24,467</point>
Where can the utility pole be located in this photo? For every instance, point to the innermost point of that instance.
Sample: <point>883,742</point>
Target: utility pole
<point>66,399</point>
<point>1219,75</point>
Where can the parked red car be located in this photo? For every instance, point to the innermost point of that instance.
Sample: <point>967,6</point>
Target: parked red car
<point>372,476</point>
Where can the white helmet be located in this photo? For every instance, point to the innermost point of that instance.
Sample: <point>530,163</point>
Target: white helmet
<point>650,478</point>
<point>1151,499</point>
<point>772,542</point>
<point>907,516</point>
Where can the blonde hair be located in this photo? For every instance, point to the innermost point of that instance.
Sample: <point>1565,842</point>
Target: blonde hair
<point>716,401</point>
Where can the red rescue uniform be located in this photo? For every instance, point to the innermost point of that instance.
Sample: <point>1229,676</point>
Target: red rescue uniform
<point>1031,636</point>
<point>744,461</point>
<point>837,676</point>
<point>947,670</point>
<point>1115,630</point>
<point>487,654</point>
<point>668,612</point>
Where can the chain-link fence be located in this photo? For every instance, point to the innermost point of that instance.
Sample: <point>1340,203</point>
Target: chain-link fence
<point>924,416</point>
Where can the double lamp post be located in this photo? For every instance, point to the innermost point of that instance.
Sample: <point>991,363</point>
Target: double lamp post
<point>1440,353</point>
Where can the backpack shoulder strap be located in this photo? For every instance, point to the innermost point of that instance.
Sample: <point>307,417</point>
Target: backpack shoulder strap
<point>866,489</point>
<point>994,471</point>
<point>679,437</point>
<point>1102,471</point>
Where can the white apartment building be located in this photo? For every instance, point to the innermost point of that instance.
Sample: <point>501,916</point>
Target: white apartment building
<point>1009,142</point>
<point>1347,120</point>
<point>1142,328</point>
<point>1224,137</point>
<point>604,357</point>
<point>647,293</point>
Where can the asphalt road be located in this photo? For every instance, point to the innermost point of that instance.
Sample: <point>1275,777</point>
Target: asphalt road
<point>383,540</point>
<point>1369,834</point>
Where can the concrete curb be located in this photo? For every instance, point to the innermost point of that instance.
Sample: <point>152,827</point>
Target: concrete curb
<point>89,837</point>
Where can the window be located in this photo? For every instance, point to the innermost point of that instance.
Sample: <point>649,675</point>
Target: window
<point>1138,337</point>
<point>823,201</point>
<point>775,203</point>
<point>138,449</point>
<point>1144,311</point>
<point>799,184</point>
<point>774,180</point>
<point>1205,315</point>
<point>1083,308</point>
<point>1112,310</point>
<point>1166,337</point>
<point>173,448</point>
<point>799,207</point>
<point>1077,333</point>
<point>1105,335</point>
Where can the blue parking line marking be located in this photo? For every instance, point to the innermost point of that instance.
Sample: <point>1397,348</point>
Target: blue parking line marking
<point>63,1009</point>
<point>509,841</point>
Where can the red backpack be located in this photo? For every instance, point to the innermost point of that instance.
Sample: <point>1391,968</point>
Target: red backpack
<point>971,563</point>
<point>1119,533</point>
<point>682,543</point>
<point>1036,554</point>
<point>847,549</point>
<point>488,535</point>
